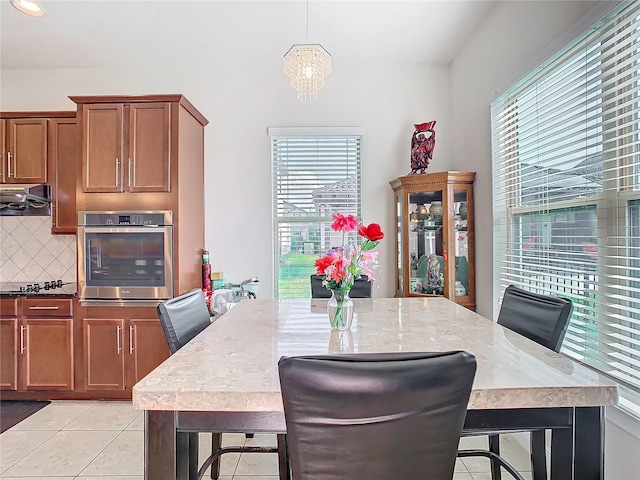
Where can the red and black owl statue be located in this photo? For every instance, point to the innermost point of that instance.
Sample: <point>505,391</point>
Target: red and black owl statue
<point>422,144</point>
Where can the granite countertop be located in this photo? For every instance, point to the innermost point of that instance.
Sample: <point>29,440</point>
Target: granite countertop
<point>232,365</point>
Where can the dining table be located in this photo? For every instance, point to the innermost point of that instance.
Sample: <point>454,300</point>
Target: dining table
<point>226,378</point>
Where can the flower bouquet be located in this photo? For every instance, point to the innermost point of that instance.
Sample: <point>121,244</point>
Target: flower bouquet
<point>343,264</point>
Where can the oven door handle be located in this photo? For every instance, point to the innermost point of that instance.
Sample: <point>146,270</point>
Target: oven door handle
<point>126,229</point>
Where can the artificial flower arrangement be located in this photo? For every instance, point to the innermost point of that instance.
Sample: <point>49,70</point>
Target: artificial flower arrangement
<point>343,264</point>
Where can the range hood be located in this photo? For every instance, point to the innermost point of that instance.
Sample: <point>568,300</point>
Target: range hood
<point>25,199</point>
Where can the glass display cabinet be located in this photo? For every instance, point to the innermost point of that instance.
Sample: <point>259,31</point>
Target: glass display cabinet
<point>434,236</point>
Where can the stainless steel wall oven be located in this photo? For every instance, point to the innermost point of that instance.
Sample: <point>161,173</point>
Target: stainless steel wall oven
<point>125,255</point>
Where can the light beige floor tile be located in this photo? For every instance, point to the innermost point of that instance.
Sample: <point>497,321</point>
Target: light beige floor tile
<point>233,439</point>
<point>478,442</point>
<point>258,464</point>
<point>123,456</point>
<point>54,416</point>
<point>37,478</point>
<point>254,477</point>
<point>66,453</point>
<point>477,464</point>
<point>462,476</point>
<point>514,452</point>
<point>105,416</point>
<point>460,468</point>
<point>229,461</point>
<point>17,444</point>
<point>137,423</point>
<point>111,477</point>
<point>262,440</point>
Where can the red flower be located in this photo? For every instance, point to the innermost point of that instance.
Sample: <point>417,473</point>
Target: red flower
<point>342,223</point>
<point>321,264</point>
<point>372,232</point>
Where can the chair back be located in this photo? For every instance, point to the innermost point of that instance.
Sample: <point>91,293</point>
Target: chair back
<point>361,288</point>
<point>375,416</point>
<point>183,317</point>
<point>540,318</point>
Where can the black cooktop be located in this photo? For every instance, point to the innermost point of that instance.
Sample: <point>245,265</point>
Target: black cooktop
<point>53,287</point>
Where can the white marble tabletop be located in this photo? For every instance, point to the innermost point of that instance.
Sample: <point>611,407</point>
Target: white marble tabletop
<point>232,365</point>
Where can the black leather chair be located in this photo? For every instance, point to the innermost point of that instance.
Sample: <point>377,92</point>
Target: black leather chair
<point>182,318</point>
<point>375,416</point>
<point>543,319</point>
<point>361,288</point>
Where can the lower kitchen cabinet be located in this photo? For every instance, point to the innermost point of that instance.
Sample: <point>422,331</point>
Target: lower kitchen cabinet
<point>104,359</point>
<point>9,353</point>
<point>36,340</point>
<point>46,354</point>
<point>118,352</point>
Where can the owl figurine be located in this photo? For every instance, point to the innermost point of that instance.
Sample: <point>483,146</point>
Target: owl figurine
<point>423,142</point>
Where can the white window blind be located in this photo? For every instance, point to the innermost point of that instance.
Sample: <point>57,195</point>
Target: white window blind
<point>316,173</point>
<point>566,179</point>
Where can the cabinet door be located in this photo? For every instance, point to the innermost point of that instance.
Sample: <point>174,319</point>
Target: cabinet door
<point>3,151</point>
<point>8,353</point>
<point>147,348</point>
<point>64,159</point>
<point>102,132</point>
<point>27,150</point>
<point>149,147</point>
<point>104,359</point>
<point>47,359</point>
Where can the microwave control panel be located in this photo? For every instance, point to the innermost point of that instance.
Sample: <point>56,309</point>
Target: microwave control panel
<point>137,219</point>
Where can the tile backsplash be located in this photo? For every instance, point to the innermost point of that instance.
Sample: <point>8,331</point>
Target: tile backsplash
<point>30,253</point>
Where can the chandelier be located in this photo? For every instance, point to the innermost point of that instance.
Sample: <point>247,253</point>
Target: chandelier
<point>306,65</point>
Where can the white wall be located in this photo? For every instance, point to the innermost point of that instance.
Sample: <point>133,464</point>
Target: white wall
<point>514,38</point>
<point>241,101</point>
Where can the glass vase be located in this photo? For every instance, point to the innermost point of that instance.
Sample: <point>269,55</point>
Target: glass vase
<point>340,310</point>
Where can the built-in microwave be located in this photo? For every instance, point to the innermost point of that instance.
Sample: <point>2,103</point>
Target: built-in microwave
<point>125,255</point>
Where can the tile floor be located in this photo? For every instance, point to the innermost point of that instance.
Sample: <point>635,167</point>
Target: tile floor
<point>104,441</point>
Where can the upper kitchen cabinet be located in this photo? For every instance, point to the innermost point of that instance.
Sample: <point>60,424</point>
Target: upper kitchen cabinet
<point>130,144</point>
<point>64,156</point>
<point>24,148</point>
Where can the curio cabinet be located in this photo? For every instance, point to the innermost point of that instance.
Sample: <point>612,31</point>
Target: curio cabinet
<point>434,236</point>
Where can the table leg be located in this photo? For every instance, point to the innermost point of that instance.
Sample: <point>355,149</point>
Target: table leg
<point>160,446</point>
<point>589,443</point>
<point>562,454</point>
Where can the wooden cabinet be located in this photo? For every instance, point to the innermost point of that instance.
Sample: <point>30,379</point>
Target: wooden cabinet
<point>104,358</point>
<point>3,151</point>
<point>8,344</point>
<point>24,151</point>
<point>125,147</point>
<point>121,348</point>
<point>435,240</point>
<point>147,348</point>
<point>37,344</point>
<point>64,158</point>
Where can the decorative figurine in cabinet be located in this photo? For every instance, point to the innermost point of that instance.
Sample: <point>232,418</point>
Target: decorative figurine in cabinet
<point>434,236</point>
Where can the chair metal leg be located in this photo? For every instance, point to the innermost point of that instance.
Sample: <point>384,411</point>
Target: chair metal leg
<point>494,447</point>
<point>538,455</point>
<point>283,458</point>
<point>216,443</point>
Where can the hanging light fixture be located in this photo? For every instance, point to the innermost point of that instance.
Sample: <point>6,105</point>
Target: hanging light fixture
<point>307,65</point>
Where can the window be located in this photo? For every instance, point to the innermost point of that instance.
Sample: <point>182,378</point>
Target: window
<point>566,179</point>
<point>316,173</point>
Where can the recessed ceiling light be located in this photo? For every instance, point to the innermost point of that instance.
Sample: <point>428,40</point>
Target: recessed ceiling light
<point>28,7</point>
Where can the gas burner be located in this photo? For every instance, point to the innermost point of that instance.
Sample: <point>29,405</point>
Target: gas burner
<point>36,287</point>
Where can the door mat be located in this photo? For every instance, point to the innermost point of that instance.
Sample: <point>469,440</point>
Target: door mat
<point>13,412</point>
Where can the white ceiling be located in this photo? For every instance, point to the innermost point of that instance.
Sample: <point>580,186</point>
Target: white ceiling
<point>95,33</point>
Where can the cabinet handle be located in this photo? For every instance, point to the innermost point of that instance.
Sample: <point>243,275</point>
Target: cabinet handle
<point>119,329</point>
<point>130,339</point>
<point>8,164</point>
<point>44,308</point>
<point>117,172</point>
<point>22,347</point>
<point>129,172</point>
